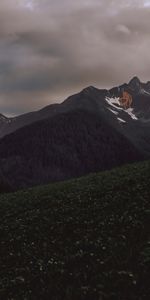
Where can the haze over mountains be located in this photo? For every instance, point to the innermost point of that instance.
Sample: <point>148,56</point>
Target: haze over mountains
<point>90,131</point>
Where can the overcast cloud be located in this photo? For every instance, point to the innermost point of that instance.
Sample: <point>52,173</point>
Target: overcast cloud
<point>52,48</point>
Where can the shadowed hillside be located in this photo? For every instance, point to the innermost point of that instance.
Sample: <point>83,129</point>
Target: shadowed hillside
<point>84,239</point>
<point>66,146</point>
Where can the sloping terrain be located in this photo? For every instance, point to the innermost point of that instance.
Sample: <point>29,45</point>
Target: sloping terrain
<point>66,146</point>
<point>132,118</point>
<point>93,100</point>
<point>91,131</point>
<point>90,99</point>
<point>84,239</point>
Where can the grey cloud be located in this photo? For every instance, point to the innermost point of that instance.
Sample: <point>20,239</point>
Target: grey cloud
<point>60,47</point>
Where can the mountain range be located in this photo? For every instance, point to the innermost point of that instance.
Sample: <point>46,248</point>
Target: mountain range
<point>94,130</point>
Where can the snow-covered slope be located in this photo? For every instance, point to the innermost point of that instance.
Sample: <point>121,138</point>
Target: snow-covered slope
<point>116,108</point>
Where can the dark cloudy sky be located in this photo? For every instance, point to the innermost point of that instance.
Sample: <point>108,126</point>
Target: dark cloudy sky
<point>50,49</point>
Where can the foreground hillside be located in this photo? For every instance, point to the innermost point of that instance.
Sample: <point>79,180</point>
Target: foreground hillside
<point>88,238</point>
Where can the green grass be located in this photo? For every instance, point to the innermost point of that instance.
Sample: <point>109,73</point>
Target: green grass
<point>87,238</point>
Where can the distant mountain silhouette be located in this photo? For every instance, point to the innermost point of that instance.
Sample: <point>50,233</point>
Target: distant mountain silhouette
<point>90,98</point>
<point>90,131</point>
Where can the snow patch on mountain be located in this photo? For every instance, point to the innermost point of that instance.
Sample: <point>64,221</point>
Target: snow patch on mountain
<point>121,120</point>
<point>131,114</point>
<point>113,101</point>
<point>114,112</point>
<point>143,91</point>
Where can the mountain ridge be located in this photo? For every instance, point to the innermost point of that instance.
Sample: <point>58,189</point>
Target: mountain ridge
<point>78,100</point>
<point>93,130</point>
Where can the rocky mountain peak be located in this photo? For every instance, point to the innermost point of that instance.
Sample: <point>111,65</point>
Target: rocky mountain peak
<point>134,81</point>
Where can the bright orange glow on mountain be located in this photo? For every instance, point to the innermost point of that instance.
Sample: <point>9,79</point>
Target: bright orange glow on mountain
<point>126,100</point>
